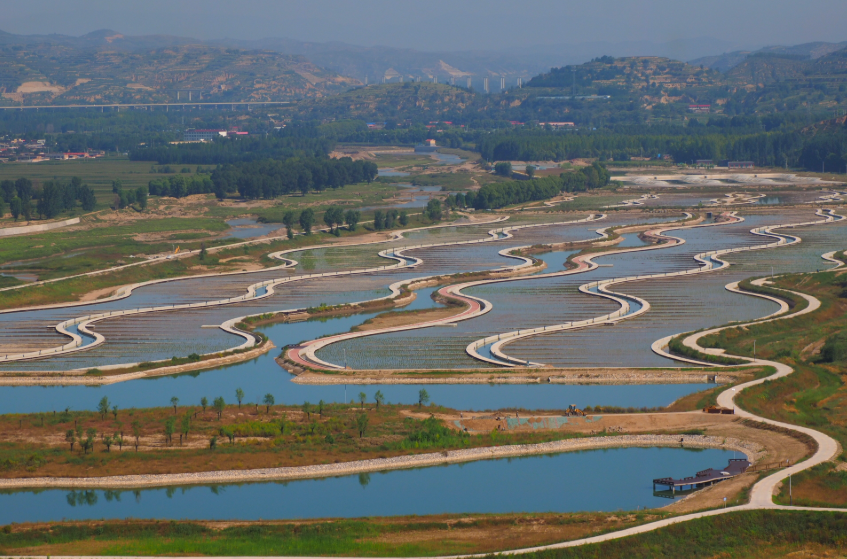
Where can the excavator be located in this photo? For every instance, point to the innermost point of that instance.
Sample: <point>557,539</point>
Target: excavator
<point>573,411</point>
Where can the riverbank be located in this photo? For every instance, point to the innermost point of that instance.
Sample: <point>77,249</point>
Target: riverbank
<point>519,375</point>
<point>383,464</point>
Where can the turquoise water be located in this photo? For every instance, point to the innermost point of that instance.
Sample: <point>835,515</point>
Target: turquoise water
<point>595,480</point>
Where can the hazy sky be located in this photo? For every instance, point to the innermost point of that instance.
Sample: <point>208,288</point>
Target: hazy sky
<point>443,24</point>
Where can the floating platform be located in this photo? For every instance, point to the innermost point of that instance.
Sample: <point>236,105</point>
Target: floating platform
<point>736,467</point>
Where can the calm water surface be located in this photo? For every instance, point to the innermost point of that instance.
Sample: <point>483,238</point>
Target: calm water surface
<point>595,480</point>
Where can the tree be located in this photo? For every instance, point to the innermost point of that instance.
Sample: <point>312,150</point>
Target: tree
<point>90,436</point>
<point>433,210</point>
<point>268,401</point>
<point>503,168</point>
<point>362,424</point>
<point>70,437</point>
<point>103,407</point>
<point>107,440</point>
<point>16,207</point>
<point>379,398</point>
<point>174,403</point>
<point>170,427</point>
<point>213,443</point>
<point>185,426</point>
<point>321,408</point>
<point>219,406</point>
<point>203,252</point>
<point>307,219</point>
<point>351,218</point>
<point>530,171</point>
<point>239,395</point>
<point>204,402</point>
<point>333,217</point>
<point>288,219</point>
<point>362,399</point>
<point>423,397</point>
<point>87,198</point>
<point>136,432</point>
<point>115,411</point>
<point>404,218</point>
<point>118,440</point>
<point>378,220</point>
<point>307,409</point>
<point>228,434</point>
<point>141,197</point>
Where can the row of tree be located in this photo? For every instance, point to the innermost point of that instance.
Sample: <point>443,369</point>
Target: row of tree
<point>825,150</point>
<point>271,178</point>
<point>179,186</point>
<point>51,199</point>
<point>498,195</point>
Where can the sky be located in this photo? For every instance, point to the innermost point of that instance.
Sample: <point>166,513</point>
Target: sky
<point>446,25</point>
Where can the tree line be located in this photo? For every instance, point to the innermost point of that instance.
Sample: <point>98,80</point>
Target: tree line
<point>499,195</point>
<point>180,186</point>
<point>236,150</point>
<point>271,178</point>
<point>51,199</point>
<point>783,147</point>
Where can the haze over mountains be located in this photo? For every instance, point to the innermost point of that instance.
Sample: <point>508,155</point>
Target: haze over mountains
<point>109,67</point>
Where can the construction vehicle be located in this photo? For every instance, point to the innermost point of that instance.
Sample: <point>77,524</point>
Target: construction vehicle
<point>573,411</point>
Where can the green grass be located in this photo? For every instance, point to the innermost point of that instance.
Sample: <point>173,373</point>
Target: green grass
<point>97,173</point>
<point>105,246</point>
<point>745,535</point>
<point>588,202</point>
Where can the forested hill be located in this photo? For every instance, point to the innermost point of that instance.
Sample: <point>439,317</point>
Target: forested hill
<point>56,73</point>
<point>607,75</point>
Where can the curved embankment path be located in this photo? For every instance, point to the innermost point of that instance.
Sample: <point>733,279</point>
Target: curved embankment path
<point>708,262</point>
<point>760,494</point>
<point>304,354</point>
<point>82,338</point>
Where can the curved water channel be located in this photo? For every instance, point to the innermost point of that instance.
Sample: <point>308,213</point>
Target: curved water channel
<point>600,480</point>
<point>262,374</point>
<point>589,480</point>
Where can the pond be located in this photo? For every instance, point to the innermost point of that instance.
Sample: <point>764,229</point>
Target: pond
<point>247,228</point>
<point>594,480</point>
<point>389,172</point>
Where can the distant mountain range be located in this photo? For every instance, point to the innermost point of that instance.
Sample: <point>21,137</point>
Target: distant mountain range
<point>106,66</point>
<point>727,61</point>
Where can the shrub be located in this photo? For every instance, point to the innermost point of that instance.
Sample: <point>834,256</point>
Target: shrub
<point>835,348</point>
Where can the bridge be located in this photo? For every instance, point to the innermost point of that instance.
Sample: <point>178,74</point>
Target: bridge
<point>150,106</point>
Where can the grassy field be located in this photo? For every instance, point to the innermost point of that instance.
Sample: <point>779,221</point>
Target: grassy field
<point>747,535</point>
<point>815,395</point>
<point>396,536</point>
<point>261,437</point>
<point>97,173</point>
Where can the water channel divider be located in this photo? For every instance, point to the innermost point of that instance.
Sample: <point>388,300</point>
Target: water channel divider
<point>256,291</point>
<point>709,261</point>
<point>304,354</point>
